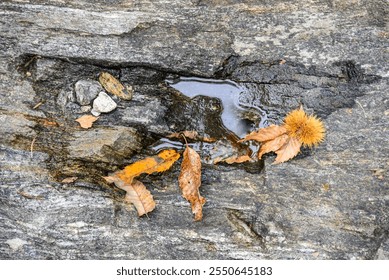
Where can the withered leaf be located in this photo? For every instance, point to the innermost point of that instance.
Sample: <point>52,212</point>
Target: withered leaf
<point>69,180</point>
<point>276,139</point>
<point>47,122</point>
<point>191,134</point>
<point>159,163</point>
<point>289,150</point>
<point>190,181</point>
<point>273,145</point>
<point>136,193</point>
<point>238,159</point>
<point>86,121</point>
<point>29,196</point>
<point>113,86</point>
<point>265,134</point>
<point>50,123</point>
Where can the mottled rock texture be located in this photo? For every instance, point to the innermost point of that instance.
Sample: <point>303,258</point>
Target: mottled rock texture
<point>332,56</point>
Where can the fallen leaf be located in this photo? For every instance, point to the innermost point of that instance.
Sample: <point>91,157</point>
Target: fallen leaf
<point>265,134</point>
<point>50,123</point>
<point>272,145</point>
<point>190,181</point>
<point>159,163</point>
<point>238,159</point>
<point>69,180</point>
<point>29,196</point>
<point>286,140</point>
<point>46,122</point>
<point>136,193</point>
<point>218,159</point>
<point>113,86</point>
<point>86,121</point>
<point>290,149</point>
<point>191,135</point>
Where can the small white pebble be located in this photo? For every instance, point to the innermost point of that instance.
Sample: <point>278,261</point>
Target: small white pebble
<point>103,104</point>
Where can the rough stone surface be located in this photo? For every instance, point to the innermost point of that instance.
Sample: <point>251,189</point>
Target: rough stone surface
<point>86,91</point>
<point>98,144</point>
<point>331,202</point>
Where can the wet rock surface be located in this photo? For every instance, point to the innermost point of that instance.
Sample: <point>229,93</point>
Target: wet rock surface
<point>331,202</point>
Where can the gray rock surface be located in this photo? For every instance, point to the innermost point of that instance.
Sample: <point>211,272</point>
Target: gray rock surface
<point>86,91</point>
<point>331,202</point>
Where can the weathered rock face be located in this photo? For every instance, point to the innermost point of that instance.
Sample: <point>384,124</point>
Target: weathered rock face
<point>328,203</point>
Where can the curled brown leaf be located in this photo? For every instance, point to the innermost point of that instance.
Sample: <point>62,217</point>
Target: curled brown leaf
<point>238,159</point>
<point>136,193</point>
<point>272,145</point>
<point>190,181</point>
<point>191,134</point>
<point>289,150</point>
<point>265,134</point>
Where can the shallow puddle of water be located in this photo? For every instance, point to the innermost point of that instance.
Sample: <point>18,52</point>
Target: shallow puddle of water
<point>239,116</point>
<point>229,93</point>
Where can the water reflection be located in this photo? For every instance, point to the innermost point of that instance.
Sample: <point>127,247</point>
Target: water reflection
<point>228,92</point>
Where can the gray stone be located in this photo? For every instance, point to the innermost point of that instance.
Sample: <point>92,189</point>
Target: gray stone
<point>103,104</point>
<point>149,114</point>
<point>86,91</point>
<point>64,97</point>
<point>330,202</point>
<point>86,109</point>
<point>100,144</point>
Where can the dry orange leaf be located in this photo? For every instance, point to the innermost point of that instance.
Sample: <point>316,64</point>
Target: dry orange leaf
<point>238,159</point>
<point>47,122</point>
<point>113,86</point>
<point>289,150</point>
<point>191,134</point>
<point>159,163</point>
<point>286,140</point>
<point>136,193</point>
<point>265,134</point>
<point>50,123</point>
<point>277,140</point>
<point>272,145</point>
<point>86,121</point>
<point>190,181</point>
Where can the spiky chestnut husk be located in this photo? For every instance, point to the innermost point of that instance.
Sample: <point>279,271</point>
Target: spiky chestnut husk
<point>309,130</point>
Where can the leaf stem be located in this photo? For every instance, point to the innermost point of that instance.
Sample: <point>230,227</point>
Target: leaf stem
<point>183,135</point>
